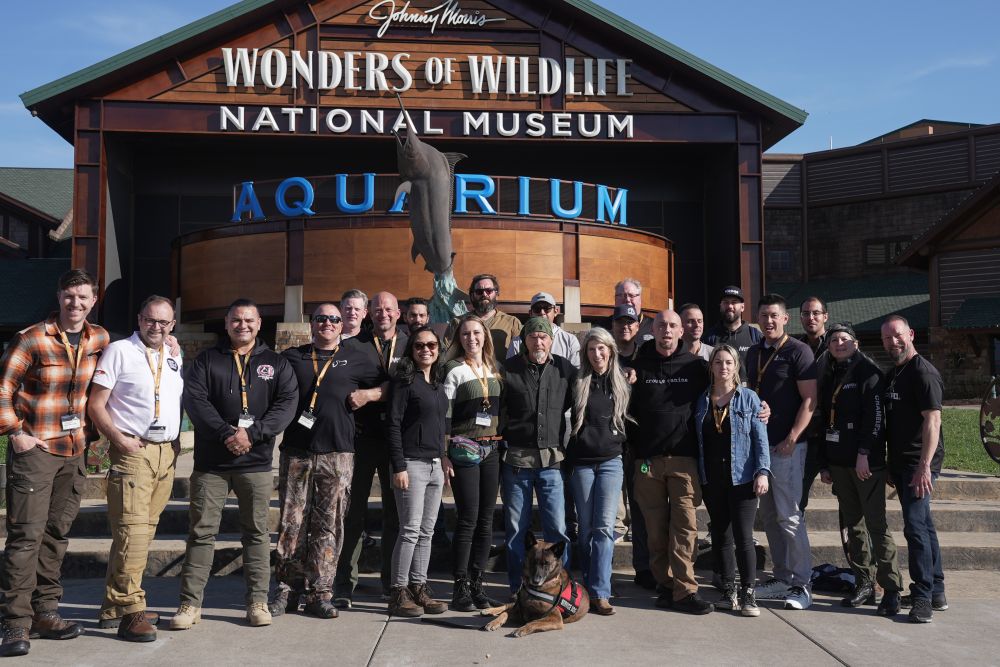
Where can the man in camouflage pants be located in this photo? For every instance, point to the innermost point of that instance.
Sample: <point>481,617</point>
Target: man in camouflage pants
<point>316,467</point>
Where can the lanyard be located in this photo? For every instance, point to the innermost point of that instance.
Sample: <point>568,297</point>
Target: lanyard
<point>74,362</point>
<point>240,368</point>
<point>320,374</point>
<point>761,369</point>
<point>157,374</point>
<point>719,416</point>
<point>483,382</point>
<point>381,356</point>
<point>836,392</point>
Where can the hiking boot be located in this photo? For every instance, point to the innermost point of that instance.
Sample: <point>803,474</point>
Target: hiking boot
<point>889,606</point>
<point>135,628</point>
<point>423,597</point>
<point>863,594</point>
<point>728,599</point>
<point>321,609</point>
<point>920,610</point>
<point>402,604</point>
<point>258,615</point>
<point>49,625</point>
<point>461,596</point>
<point>748,605</point>
<point>601,607</point>
<point>186,616</point>
<point>15,642</point>
<point>798,597</point>
<point>772,589</point>
<point>283,599</point>
<point>109,623</point>
<point>938,602</point>
<point>478,591</point>
<point>692,604</point>
<point>645,579</point>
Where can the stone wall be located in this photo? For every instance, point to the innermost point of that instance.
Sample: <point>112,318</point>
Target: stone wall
<point>291,334</point>
<point>193,342</point>
<point>964,361</point>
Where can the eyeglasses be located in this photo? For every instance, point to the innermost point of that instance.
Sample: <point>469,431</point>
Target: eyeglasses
<point>542,308</point>
<point>484,290</point>
<point>332,319</point>
<point>813,313</point>
<point>163,324</point>
<point>430,345</point>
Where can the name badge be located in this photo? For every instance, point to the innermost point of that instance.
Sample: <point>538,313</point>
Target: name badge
<point>156,432</point>
<point>307,419</point>
<point>245,421</point>
<point>832,435</point>
<point>70,422</point>
<point>483,419</point>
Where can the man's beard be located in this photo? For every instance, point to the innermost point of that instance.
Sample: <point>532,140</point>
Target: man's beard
<point>730,317</point>
<point>538,356</point>
<point>898,356</point>
<point>484,306</point>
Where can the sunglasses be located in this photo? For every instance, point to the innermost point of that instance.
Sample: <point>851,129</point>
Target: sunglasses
<point>484,290</point>
<point>430,345</point>
<point>332,319</point>
<point>540,308</point>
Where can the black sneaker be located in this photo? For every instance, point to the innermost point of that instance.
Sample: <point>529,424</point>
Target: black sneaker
<point>920,611</point>
<point>863,594</point>
<point>692,604</point>
<point>645,579</point>
<point>665,601</point>
<point>938,602</point>
<point>889,606</point>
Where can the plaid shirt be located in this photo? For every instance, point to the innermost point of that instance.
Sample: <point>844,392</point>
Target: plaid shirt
<point>35,382</point>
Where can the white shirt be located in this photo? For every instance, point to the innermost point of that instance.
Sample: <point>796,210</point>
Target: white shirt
<point>564,344</point>
<point>705,352</point>
<point>124,369</point>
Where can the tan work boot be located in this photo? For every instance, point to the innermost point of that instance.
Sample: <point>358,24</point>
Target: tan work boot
<point>423,596</point>
<point>186,616</point>
<point>258,614</point>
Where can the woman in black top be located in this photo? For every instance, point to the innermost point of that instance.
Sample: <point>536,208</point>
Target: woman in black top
<point>417,411</point>
<point>600,401</point>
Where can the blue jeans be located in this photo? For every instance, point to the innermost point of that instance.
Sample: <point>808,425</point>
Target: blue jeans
<point>921,538</point>
<point>596,489</point>
<point>516,492</point>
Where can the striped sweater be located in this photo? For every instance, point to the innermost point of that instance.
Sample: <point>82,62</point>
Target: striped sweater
<point>465,399</point>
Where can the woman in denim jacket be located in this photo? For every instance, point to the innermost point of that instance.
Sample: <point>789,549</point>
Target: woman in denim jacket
<point>734,461</point>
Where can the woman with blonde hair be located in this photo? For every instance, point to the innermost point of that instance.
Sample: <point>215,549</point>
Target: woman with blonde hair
<point>600,402</point>
<point>472,384</point>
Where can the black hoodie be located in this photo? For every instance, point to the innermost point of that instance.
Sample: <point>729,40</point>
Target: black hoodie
<point>213,402</point>
<point>663,401</point>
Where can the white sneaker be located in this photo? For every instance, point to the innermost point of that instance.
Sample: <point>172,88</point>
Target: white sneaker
<point>773,589</point>
<point>258,614</point>
<point>798,598</point>
<point>185,617</point>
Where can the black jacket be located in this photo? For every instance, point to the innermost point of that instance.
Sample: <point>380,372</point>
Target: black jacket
<point>213,402</point>
<point>742,339</point>
<point>417,421</point>
<point>663,402</point>
<point>857,412</point>
<point>597,440</point>
<point>372,418</point>
<point>534,404</point>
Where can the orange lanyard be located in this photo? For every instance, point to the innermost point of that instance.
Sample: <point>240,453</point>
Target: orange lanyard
<point>74,362</point>
<point>719,416</point>
<point>157,374</point>
<point>761,369</point>
<point>320,374</point>
<point>483,382</point>
<point>240,368</point>
<point>381,358</point>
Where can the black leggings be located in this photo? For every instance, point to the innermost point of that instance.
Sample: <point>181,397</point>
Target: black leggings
<point>475,491</point>
<point>732,510</point>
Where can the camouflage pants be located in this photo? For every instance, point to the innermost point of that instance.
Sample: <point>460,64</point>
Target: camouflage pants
<point>314,492</point>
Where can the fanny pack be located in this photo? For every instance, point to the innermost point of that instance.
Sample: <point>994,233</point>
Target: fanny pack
<point>466,453</point>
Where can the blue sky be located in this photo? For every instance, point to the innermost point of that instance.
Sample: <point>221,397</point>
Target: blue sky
<point>859,68</point>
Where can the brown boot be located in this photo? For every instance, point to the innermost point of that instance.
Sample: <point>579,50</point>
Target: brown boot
<point>401,604</point>
<point>601,607</point>
<point>109,623</point>
<point>423,596</point>
<point>49,625</point>
<point>15,642</point>
<point>136,628</point>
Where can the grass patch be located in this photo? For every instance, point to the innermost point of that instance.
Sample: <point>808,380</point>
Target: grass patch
<point>963,446</point>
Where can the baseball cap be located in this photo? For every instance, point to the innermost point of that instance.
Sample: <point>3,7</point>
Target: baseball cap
<point>732,292</point>
<point>842,327</point>
<point>625,310</point>
<point>543,297</point>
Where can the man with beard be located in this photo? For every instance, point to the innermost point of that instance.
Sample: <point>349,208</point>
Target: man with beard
<point>693,321</point>
<point>813,315</point>
<point>484,291</point>
<point>416,313</point>
<point>564,344</point>
<point>354,309</point>
<point>731,329</point>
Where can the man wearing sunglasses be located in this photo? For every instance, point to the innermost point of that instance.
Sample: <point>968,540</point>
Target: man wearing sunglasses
<point>484,291</point>
<point>564,344</point>
<point>316,466</point>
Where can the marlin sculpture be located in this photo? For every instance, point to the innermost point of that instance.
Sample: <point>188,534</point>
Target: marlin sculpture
<point>429,183</point>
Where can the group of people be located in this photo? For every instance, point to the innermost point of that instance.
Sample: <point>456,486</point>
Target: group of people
<point>650,410</point>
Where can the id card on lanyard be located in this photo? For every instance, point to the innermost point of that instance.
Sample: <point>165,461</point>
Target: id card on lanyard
<point>156,431</point>
<point>71,421</point>
<point>483,417</point>
<point>308,416</point>
<point>246,419</point>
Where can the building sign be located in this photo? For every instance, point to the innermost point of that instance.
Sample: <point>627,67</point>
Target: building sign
<point>448,14</point>
<point>475,194</point>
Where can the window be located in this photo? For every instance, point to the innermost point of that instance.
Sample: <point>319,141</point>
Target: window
<point>779,260</point>
<point>883,252</point>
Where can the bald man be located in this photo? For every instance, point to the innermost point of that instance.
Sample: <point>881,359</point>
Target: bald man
<point>669,380</point>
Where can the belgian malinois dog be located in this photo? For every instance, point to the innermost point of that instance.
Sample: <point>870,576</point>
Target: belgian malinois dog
<point>548,598</point>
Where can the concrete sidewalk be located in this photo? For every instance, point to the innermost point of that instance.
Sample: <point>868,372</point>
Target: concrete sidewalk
<point>824,635</point>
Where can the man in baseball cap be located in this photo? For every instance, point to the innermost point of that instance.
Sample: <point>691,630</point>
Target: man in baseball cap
<point>731,329</point>
<point>564,344</point>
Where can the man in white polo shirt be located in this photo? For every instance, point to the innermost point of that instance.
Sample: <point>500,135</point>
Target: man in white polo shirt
<point>135,402</point>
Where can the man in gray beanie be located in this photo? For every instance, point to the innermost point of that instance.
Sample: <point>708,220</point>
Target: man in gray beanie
<point>537,394</point>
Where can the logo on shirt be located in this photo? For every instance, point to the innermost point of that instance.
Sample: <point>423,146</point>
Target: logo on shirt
<point>744,348</point>
<point>265,372</point>
<point>666,381</point>
<point>172,364</point>
<point>99,372</point>
<point>850,385</point>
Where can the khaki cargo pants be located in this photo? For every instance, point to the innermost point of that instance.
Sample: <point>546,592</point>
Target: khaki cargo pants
<point>139,487</point>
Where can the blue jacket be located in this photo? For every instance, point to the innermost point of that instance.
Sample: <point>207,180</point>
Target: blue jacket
<point>751,454</point>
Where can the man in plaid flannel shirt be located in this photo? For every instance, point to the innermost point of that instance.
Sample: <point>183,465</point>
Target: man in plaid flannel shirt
<point>44,377</point>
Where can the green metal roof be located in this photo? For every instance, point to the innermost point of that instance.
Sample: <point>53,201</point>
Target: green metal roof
<point>150,48</point>
<point>47,190</point>
<point>29,290</point>
<point>864,302</point>
<point>976,313</point>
